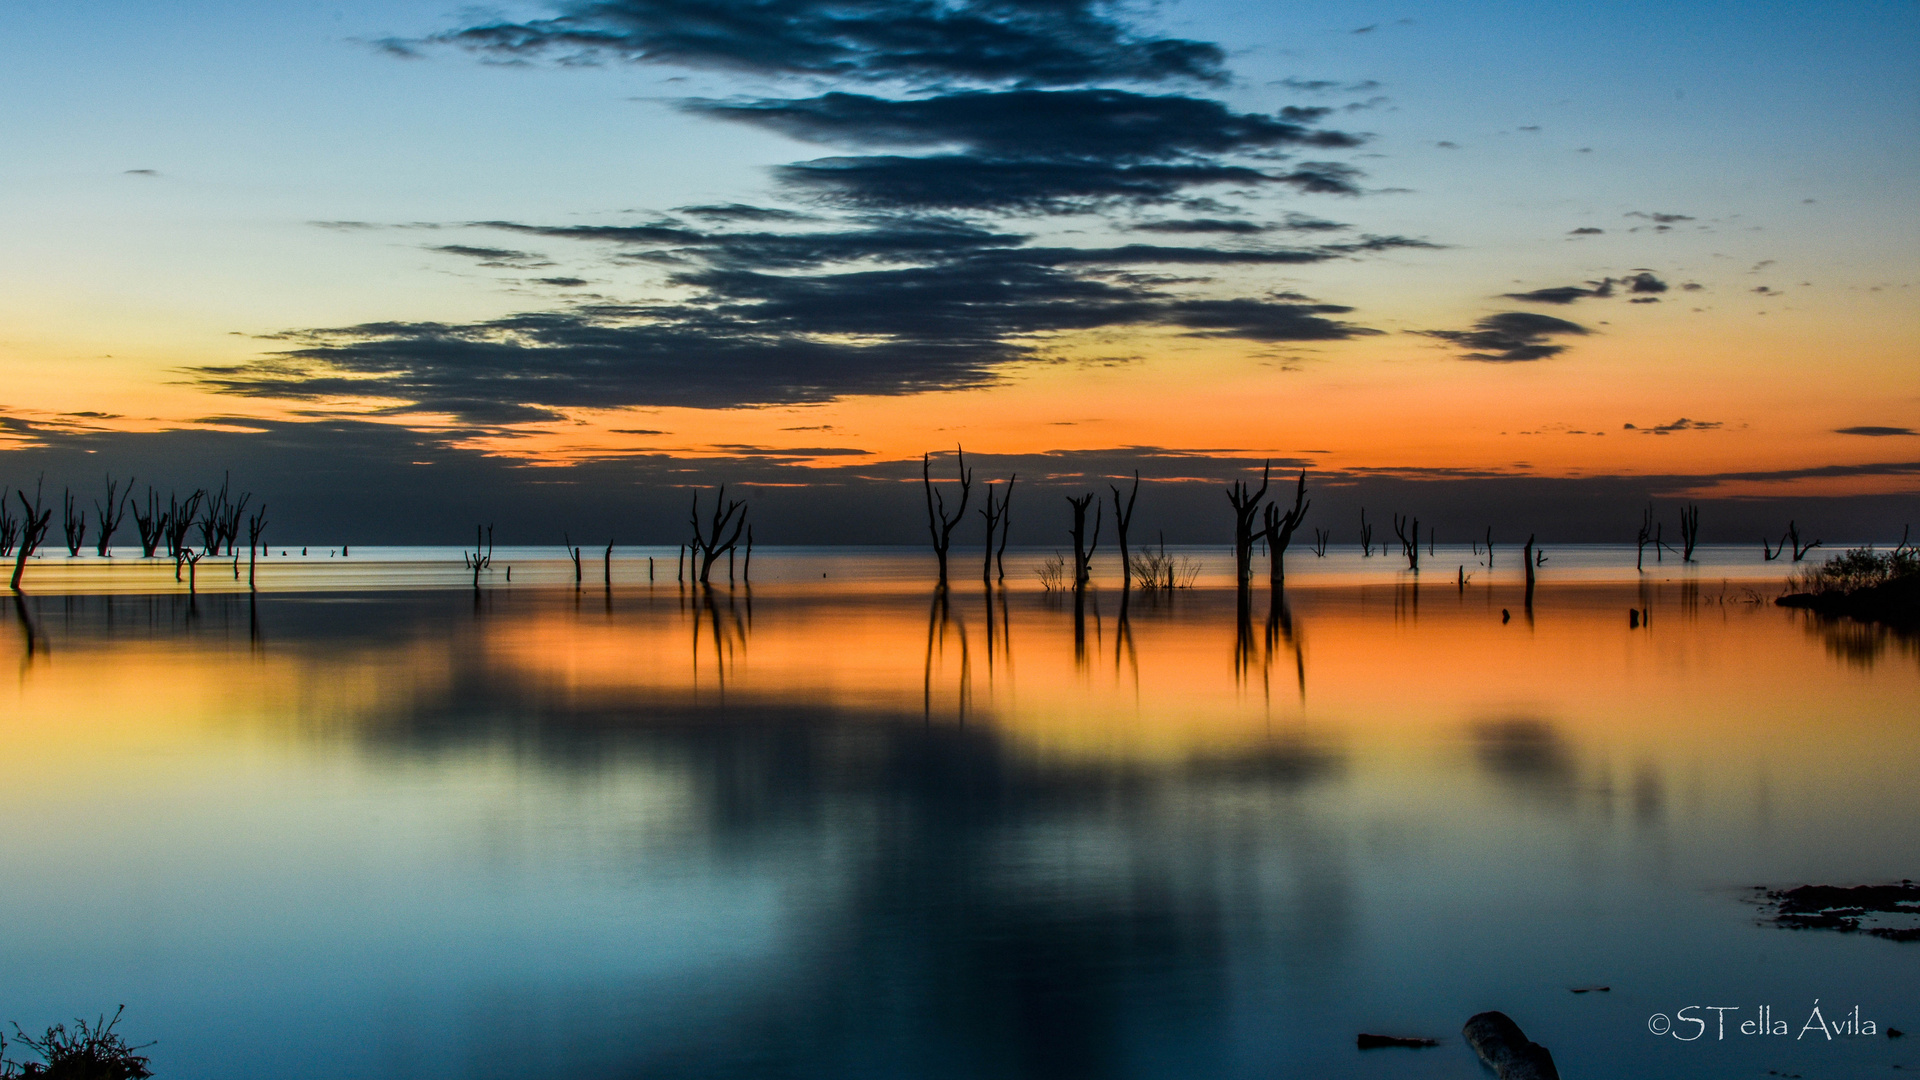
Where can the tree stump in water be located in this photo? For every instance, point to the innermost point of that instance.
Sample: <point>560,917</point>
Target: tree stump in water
<point>1506,1050</point>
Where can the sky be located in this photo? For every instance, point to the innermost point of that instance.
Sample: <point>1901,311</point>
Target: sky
<point>403,266</point>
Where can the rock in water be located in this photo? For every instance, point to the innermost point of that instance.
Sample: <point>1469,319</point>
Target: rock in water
<point>1504,1047</point>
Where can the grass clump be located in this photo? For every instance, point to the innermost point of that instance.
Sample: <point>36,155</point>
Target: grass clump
<point>88,1052</point>
<point>1860,568</point>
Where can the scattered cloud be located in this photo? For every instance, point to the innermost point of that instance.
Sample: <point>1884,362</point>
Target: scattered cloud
<point>1563,294</point>
<point>1682,424</point>
<point>503,258</point>
<point>917,42</point>
<point>1511,337</point>
<point>142,172</point>
<point>1874,430</point>
<point>1586,230</point>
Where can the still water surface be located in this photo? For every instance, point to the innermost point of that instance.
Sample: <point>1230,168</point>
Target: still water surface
<point>838,828</point>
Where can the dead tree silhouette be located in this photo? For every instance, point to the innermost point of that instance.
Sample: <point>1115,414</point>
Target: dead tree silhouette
<point>1366,535</point>
<point>1279,533</point>
<point>939,523</point>
<point>1793,537</point>
<point>152,525</point>
<point>1082,550</point>
<point>73,525</point>
<point>9,525</point>
<point>112,513</point>
<point>1122,518</point>
<point>707,541</point>
<point>1006,520</point>
<point>1246,506</point>
<point>574,554</point>
<point>211,517</point>
<point>256,528</point>
<point>481,557</point>
<point>1320,537</point>
<point>1527,556</point>
<point>1409,545</point>
<point>1644,537</point>
<point>1489,547</point>
<point>179,519</point>
<point>996,515</point>
<point>33,529</point>
<point>1689,531</point>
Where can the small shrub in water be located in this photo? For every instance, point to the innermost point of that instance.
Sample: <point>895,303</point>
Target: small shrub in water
<point>1860,568</point>
<point>88,1052</point>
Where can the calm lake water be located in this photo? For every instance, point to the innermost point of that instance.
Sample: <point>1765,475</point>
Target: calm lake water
<point>370,823</point>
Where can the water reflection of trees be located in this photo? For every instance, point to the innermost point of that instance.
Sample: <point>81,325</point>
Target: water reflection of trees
<point>1255,656</point>
<point>961,907</point>
<point>1860,644</point>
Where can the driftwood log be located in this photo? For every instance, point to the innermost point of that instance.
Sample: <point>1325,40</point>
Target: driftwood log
<point>1506,1050</point>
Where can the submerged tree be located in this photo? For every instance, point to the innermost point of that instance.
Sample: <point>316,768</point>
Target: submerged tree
<point>1409,542</point>
<point>72,524</point>
<point>1246,506</point>
<point>996,515</point>
<point>940,524</point>
<point>256,528</point>
<point>152,524</point>
<point>1278,532</point>
<point>1643,538</point>
<point>111,513</point>
<point>32,530</point>
<point>1083,549</point>
<point>1689,531</point>
<point>713,538</point>
<point>9,525</point>
<point>1122,518</point>
<point>179,519</point>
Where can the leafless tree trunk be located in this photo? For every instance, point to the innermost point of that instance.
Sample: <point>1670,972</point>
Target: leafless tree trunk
<point>995,515</point>
<point>1641,539</point>
<point>1122,518</point>
<point>32,530</point>
<point>1526,556</point>
<point>111,514</point>
<point>939,523</point>
<point>1689,532</point>
<point>1006,519</point>
<point>152,526</point>
<point>1279,533</point>
<point>72,524</point>
<point>256,528</point>
<point>1246,506</point>
<point>707,540</point>
<point>1366,535</point>
<point>9,525</point>
<point>1793,537</point>
<point>1409,544</point>
<point>1082,550</point>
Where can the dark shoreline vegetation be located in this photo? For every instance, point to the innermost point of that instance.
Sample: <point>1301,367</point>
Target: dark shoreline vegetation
<point>88,1052</point>
<point>1863,584</point>
<point>1833,907</point>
